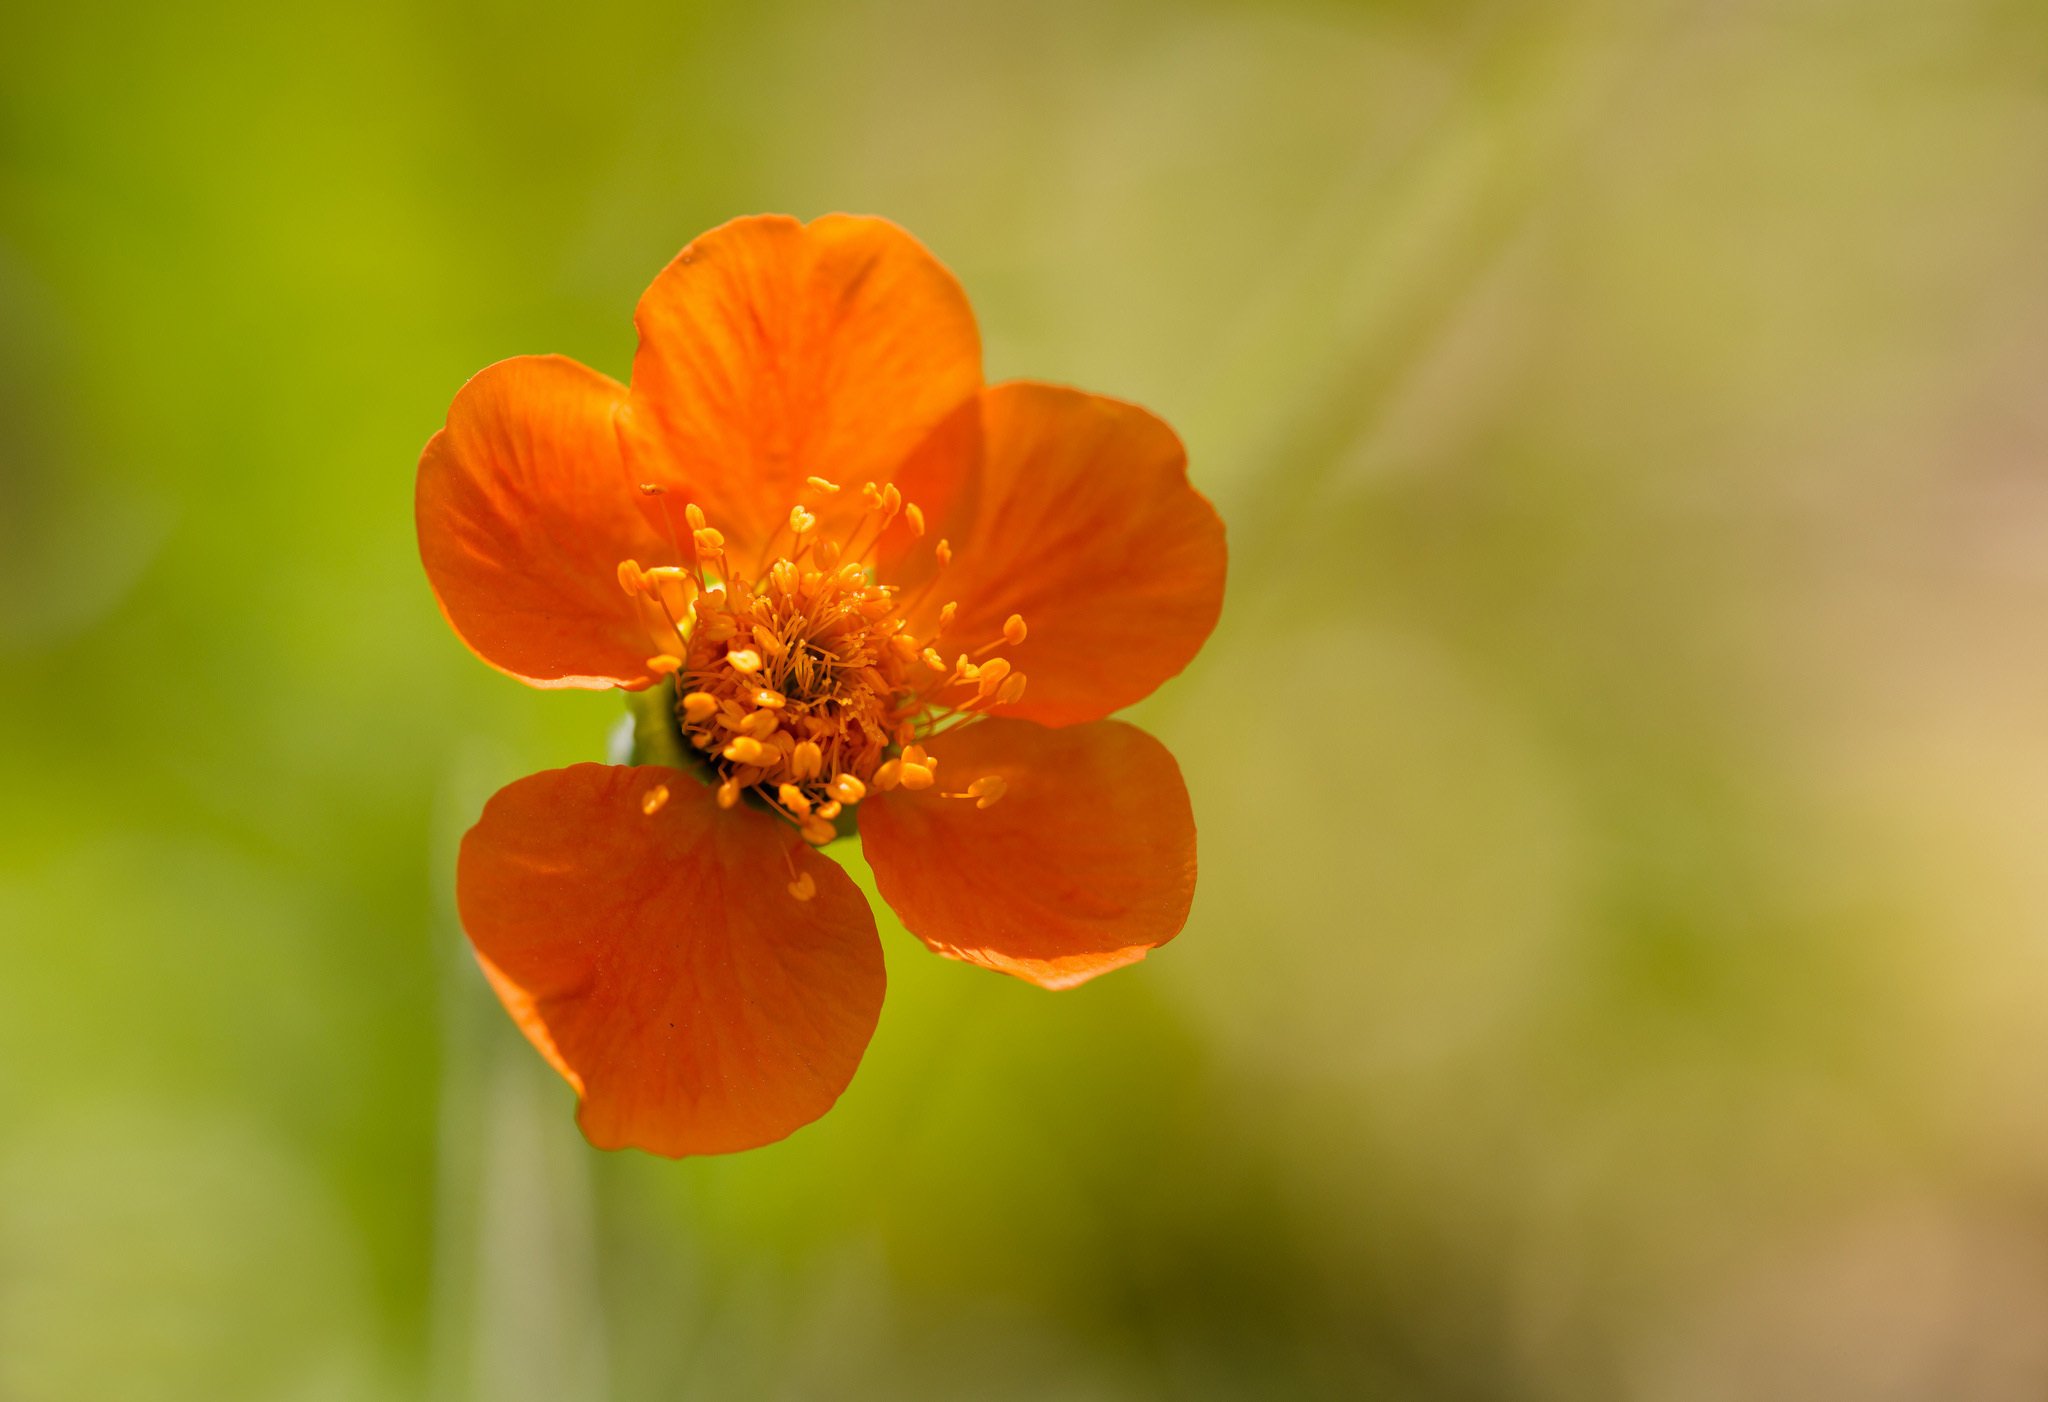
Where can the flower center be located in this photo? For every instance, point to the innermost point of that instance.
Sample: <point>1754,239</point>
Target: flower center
<point>803,681</point>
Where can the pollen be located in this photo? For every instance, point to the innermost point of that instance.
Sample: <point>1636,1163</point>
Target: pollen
<point>654,799</point>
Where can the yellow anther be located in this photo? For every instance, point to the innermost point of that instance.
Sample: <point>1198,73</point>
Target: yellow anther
<point>917,776</point>
<point>653,489</point>
<point>892,500</point>
<point>770,642</point>
<point>904,646</point>
<point>822,485</point>
<point>848,789</point>
<point>830,809</point>
<point>773,700</point>
<point>1012,689</point>
<point>933,660</point>
<point>871,494</point>
<point>760,725</point>
<point>888,776</point>
<point>944,552</point>
<point>728,793</point>
<point>710,540</point>
<point>801,520</point>
<point>664,665</point>
<point>786,576</point>
<point>803,888</point>
<point>914,514</point>
<point>987,790</point>
<point>653,799</point>
<point>793,799</point>
<point>745,749</point>
<point>817,831</point>
<point>947,615</point>
<point>694,514</point>
<point>631,577</point>
<point>964,668</point>
<point>915,754</point>
<point>699,706</point>
<point>744,659</point>
<point>828,554</point>
<point>991,673</point>
<point>1013,629</point>
<point>806,761</point>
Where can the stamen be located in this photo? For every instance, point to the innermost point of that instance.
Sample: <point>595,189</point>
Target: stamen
<point>817,831</point>
<point>801,520</point>
<point>987,790</point>
<point>848,789</point>
<point>915,516</point>
<point>807,760</point>
<point>699,706</point>
<point>728,793</point>
<point>744,660</point>
<point>664,665</point>
<point>803,888</point>
<point>651,802</point>
<point>822,485</point>
<point>773,700</point>
<point>947,615</point>
<point>792,798</point>
<point>1012,690</point>
<point>1013,629</point>
<point>944,553</point>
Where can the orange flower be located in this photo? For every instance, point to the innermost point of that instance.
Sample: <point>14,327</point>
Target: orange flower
<point>861,582</point>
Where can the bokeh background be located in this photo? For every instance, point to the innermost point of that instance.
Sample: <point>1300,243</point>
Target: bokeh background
<point>1621,954</point>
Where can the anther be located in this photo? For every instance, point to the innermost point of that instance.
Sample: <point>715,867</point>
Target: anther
<point>744,659</point>
<point>710,540</point>
<point>987,790</point>
<point>917,776</point>
<point>773,700</point>
<point>803,888</point>
<point>1012,690</point>
<point>806,760</point>
<point>631,577</point>
<point>817,831</point>
<point>699,706</point>
<point>847,789</point>
<point>947,615</point>
<point>653,489</point>
<point>652,801</point>
<point>728,794</point>
<point>933,660</point>
<point>801,520</point>
<point>1013,629</point>
<point>915,516</point>
<point>760,725</point>
<point>822,485</point>
<point>830,809</point>
<point>745,749</point>
<point>664,665</point>
<point>694,514</point>
<point>793,799</point>
<point>888,776</point>
<point>944,552</point>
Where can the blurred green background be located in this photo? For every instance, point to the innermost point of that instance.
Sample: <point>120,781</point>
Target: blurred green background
<point>1619,964</point>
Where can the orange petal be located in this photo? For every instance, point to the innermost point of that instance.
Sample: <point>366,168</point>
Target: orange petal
<point>1085,863</point>
<point>661,962</point>
<point>524,511</point>
<point>771,351</point>
<point>1085,524</point>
